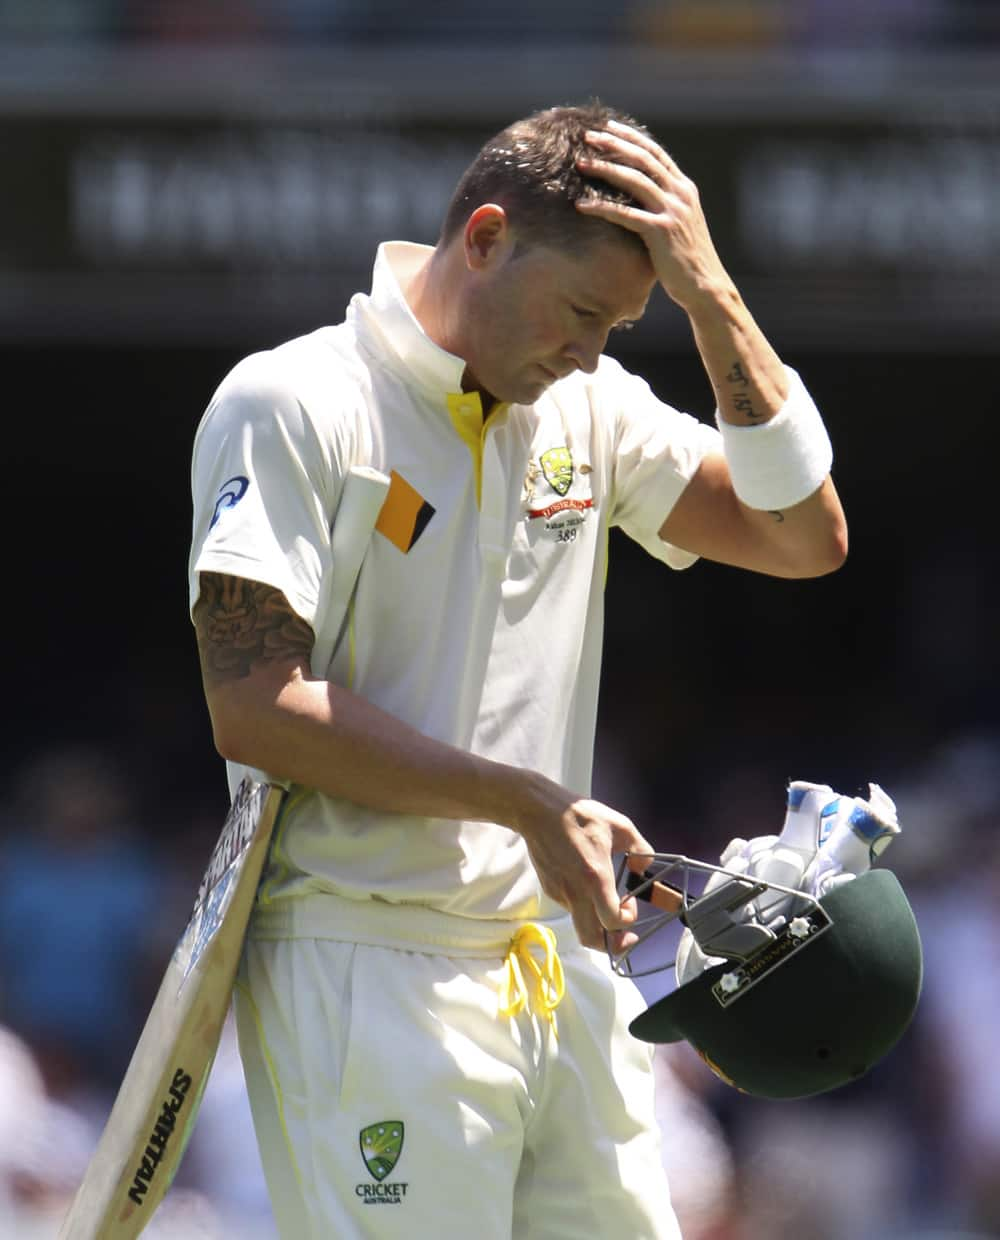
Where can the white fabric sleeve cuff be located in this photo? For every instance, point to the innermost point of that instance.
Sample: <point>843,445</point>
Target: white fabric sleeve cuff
<point>781,462</point>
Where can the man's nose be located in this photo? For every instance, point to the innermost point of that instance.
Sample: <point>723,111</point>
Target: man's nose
<point>585,352</point>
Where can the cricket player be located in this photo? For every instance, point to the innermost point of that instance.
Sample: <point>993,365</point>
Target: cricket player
<point>434,1043</point>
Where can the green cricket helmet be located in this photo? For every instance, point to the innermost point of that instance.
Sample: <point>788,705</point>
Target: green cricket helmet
<point>803,1006</point>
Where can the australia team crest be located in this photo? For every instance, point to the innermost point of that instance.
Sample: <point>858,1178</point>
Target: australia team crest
<point>557,466</point>
<point>562,516</point>
<point>381,1146</point>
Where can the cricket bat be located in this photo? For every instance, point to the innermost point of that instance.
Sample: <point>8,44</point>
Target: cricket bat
<point>154,1112</point>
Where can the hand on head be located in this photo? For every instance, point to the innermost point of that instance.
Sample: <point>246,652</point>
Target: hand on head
<point>669,217</point>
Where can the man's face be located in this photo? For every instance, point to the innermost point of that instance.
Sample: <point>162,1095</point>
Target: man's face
<point>537,314</point>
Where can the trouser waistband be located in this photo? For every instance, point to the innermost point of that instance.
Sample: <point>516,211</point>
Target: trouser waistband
<point>381,923</point>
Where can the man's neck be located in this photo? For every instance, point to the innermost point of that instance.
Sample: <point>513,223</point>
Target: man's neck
<point>424,293</point>
<point>429,294</point>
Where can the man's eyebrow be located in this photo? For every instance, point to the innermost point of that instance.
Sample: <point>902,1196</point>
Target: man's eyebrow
<point>595,302</point>
<point>592,301</point>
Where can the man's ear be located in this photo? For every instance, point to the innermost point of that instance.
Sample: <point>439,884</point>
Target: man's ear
<point>487,236</point>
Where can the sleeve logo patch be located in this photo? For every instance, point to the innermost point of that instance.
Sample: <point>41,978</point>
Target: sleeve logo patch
<point>405,514</point>
<point>230,494</point>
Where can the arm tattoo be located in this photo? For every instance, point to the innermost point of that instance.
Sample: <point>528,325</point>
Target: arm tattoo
<point>741,400</point>
<point>241,623</point>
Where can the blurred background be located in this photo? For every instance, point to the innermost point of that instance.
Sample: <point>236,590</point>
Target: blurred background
<point>186,181</point>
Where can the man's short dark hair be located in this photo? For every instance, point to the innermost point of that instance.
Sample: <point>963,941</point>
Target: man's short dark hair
<point>530,170</point>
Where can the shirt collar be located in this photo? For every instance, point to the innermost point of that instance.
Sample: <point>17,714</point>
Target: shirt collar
<point>384,317</point>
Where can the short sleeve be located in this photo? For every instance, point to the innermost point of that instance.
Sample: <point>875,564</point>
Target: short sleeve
<point>656,452</point>
<point>263,488</point>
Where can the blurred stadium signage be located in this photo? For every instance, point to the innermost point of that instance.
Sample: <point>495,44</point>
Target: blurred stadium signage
<point>160,214</point>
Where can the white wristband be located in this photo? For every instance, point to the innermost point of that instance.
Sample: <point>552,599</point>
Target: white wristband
<point>781,462</point>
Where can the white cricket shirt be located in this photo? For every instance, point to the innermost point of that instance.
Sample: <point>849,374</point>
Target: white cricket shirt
<point>478,617</point>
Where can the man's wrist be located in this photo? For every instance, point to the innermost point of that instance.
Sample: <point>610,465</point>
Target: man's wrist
<point>783,461</point>
<point>710,300</point>
<point>505,793</point>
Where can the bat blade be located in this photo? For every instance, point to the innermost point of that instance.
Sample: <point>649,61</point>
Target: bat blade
<point>153,1114</point>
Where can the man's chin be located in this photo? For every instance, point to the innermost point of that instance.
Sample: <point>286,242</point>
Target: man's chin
<point>524,389</point>
<point>529,388</point>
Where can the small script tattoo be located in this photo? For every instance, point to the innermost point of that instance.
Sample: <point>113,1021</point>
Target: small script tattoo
<point>741,400</point>
<point>240,623</point>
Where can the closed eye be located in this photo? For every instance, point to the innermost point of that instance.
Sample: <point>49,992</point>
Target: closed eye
<point>583,313</point>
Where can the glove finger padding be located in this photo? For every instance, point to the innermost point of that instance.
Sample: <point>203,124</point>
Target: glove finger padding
<point>807,806</point>
<point>826,839</point>
<point>861,831</point>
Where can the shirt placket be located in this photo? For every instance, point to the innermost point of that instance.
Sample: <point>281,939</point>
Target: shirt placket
<point>493,503</point>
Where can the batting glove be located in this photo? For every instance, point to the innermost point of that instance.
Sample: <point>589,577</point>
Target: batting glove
<point>861,830</point>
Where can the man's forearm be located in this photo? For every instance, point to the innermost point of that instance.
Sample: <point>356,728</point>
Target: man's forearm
<point>318,734</point>
<point>269,712</point>
<point>768,502</point>
<point>746,374</point>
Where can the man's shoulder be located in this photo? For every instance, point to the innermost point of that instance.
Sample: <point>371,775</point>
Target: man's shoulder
<point>323,353</point>
<point>300,369</point>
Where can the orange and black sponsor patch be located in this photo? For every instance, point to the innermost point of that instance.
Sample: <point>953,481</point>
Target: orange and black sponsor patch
<point>404,514</point>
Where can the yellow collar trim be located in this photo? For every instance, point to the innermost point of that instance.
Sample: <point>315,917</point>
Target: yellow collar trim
<point>466,410</point>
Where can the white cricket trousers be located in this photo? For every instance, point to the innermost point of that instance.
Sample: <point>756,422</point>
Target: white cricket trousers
<point>391,1101</point>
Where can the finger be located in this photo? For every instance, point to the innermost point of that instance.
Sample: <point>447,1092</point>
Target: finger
<point>642,847</point>
<point>631,218</point>
<point>588,810</point>
<point>613,912</point>
<point>638,138</point>
<point>618,941</point>
<point>589,930</point>
<point>628,909</point>
<point>633,148</point>
<point>619,150</point>
<point>637,182</point>
<point>618,834</point>
<point>605,149</point>
<point>639,858</point>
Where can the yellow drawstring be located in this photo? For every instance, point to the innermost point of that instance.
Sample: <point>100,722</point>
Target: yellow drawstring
<point>547,974</point>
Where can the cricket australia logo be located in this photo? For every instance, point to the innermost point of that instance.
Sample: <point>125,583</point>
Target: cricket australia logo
<point>557,466</point>
<point>561,517</point>
<point>381,1146</point>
